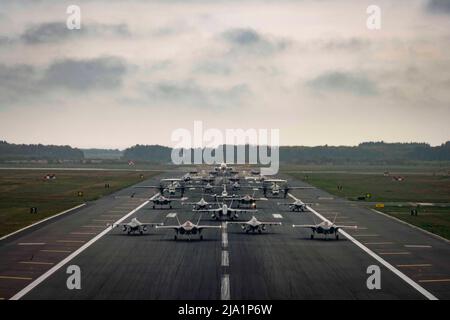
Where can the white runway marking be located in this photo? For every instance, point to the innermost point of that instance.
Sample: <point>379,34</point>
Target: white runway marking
<point>171,215</point>
<point>47,274</point>
<point>225,259</point>
<point>31,243</point>
<point>277,216</point>
<point>225,287</point>
<point>397,272</point>
<point>417,246</point>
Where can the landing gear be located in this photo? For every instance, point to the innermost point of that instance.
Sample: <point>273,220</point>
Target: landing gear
<point>175,237</point>
<point>312,236</point>
<point>170,206</point>
<point>201,237</point>
<point>153,206</point>
<point>259,231</point>
<point>337,236</point>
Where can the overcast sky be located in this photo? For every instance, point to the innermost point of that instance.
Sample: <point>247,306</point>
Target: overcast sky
<point>136,71</point>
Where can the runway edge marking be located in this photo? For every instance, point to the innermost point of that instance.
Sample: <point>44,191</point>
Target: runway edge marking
<point>47,274</point>
<point>397,272</point>
<point>43,220</point>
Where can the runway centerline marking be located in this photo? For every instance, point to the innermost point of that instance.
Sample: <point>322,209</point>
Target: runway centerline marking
<point>55,268</point>
<point>225,287</point>
<point>70,241</point>
<point>277,216</point>
<point>397,272</point>
<point>171,215</point>
<point>225,258</point>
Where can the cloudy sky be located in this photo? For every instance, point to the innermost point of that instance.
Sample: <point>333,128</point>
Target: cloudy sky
<point>137,70</point>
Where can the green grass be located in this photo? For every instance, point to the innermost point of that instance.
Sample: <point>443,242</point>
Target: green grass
<point>22,189</point>
<point>415,188</point>
<point>432,219</point>
<point>431,188</point>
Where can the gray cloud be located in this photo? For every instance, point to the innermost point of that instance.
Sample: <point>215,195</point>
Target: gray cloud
<point>19,83</point>
<point>356,84</point>
<point>104,72</point>
<point>53,32</point>
<point>439,6</point>
<point>192,94</point>
<point>345,44</point>
<point>246,39</point>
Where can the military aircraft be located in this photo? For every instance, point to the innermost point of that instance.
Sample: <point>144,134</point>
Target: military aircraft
<point>325,227</point>
<point>202,204</point>
<point>276,189</point>
<point>248,200</point>
<point>159,200</point>
<point>255,225</point>
<point>174,185</point>
<point>188,228</point>
<point>297,205</point>
<point>134,226</point>
<point>223,210</point>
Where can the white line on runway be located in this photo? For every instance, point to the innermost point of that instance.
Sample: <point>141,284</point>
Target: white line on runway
<point>171,215</point>
<point>47,274</point>
<point>225,287</point>
<point>31,243</point>
<point>225,259</point>
<point>417,246</point>
<point>277,216</point>
<point>397,272</point>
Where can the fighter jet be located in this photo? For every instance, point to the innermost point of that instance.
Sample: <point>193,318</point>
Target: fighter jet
<point>276,189</point>
<point>254,225</point>
<point>223,210</point>
<point>297,205</point>
<point>135,226</point>
<point>202,204</point>
<point>248,200</point>
<point>170,188</point>
<point>159,200</point>
<point>325,227</point>
<point>188,228</point>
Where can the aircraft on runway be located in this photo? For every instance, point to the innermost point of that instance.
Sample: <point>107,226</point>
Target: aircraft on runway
<point>297,205</point>
<point>171,188</point>
<point>275,188</point>
<point>226,211</point>
<point>255,225</point>
<point>202,204</point>
<point>188,228</point>
<point>325,227</point>
<point>159,200</point>
<point>135,226</point>
<point>249,200</point>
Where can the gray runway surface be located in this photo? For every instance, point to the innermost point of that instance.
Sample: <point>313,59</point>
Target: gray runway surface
<point>282,263</point>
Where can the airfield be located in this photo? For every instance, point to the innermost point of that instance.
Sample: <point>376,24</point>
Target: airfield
<point>228,264</point>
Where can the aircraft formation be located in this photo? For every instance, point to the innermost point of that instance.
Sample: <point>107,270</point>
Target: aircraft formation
<point>226,194</point>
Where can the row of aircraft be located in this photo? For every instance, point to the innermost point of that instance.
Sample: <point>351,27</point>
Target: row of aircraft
<point>219,209</point>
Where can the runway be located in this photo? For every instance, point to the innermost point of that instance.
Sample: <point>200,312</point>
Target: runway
<point>282,263</point>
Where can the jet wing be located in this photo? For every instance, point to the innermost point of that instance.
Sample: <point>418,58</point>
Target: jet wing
<point>346,227</point>
<point>312,226</point>
<point>176,228</point>
<point>208,227</point>
<point>294,188</point>
<point>270,223</point>
<point>151,224</point>
<point>243,210</point>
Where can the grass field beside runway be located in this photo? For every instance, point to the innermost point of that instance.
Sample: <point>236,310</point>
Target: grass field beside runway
<point>429,188</point>
<point>431,218</point>
<point>414,188</point>
<point>21,189</point>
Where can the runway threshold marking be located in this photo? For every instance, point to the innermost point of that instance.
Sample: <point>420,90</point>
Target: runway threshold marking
<point>397,272</point>
<point>55,268</point>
